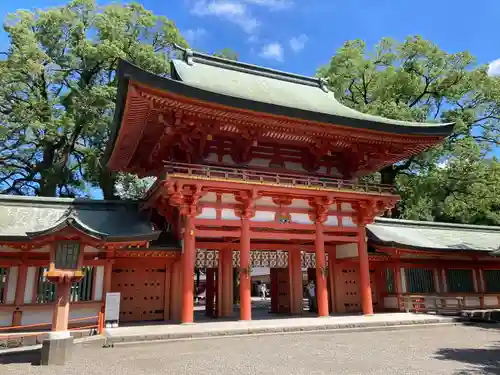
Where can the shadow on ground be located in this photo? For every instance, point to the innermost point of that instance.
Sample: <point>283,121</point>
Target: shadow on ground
<point>25,356</point>
<point>485,361</point>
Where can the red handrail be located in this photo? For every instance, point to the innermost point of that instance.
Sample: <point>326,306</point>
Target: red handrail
<point>297,180</point>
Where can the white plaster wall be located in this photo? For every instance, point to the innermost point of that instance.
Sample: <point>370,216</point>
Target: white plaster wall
<point>390,302</point>
<point>213,157</point>
<point>349,250</point>
<point>228,214</point>
<point>98,283</point>
<point>294,166</point>
<point>436,281</point>
<point>332,221</point>
<point>227,159</point>
<point>37,316</point>
<point>9,249</point>
<point>209,197</point>
<point>403,280</point>
<point>207,213</point>
<point>263,216</point>
<point>265,201</point>
<point>445,283</point>
<point>300,203</point>
<point>30,284</point>
<point>474,280</point>
<point>490,301</point>
<point>44,315</point>
<point>346,207</point>
<point>5,318</point>
<point>259,162</point>
<point>347,222</point>
<point>77,312</point>
<point>228,198</point>
<point>44,249</point>
<point>301,218</point>
<point>11,284</point>
<point>472,302</point>
<point>90,249</point>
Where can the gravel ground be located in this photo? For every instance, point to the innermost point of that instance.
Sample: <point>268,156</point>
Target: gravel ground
<point>444,350</point>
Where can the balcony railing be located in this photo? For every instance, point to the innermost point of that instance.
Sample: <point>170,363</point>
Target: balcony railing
<point>270,178</point>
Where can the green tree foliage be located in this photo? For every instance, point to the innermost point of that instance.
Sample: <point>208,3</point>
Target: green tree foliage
<point>58,88</point>
<point>415,80</point>
<point>227,53</point>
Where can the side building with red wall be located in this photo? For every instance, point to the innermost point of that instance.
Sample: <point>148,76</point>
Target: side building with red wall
<point>413,265</point>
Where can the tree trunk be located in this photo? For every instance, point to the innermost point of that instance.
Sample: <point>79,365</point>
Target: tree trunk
<point>107,180</point>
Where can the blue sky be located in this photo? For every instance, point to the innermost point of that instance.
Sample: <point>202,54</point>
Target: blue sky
<point>301,35</point>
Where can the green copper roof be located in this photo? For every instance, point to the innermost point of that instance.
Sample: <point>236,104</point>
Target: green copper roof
<point>254,83</point>
<point>434,236</point>
<point>25,218</point>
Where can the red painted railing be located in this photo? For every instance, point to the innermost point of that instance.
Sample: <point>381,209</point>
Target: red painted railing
<point>284,179</point>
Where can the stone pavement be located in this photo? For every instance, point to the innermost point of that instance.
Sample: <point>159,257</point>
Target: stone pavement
<point>134,334</point>
<point>442,350</point>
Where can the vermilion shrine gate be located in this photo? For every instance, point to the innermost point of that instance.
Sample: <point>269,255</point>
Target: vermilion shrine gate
<point>249,159</point>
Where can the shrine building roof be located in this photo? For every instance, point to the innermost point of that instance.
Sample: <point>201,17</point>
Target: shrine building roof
<point>207,95</point>
<point>26,218</point>
<point>423,235</point>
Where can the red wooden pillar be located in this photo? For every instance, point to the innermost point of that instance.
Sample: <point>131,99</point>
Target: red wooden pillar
<point>175,291</point>
<point>108,273</point>
<point>480,286</point>
<point>227,281</point>
<point>61,309</point>
<point>19,298</point>
<point>364,274</point>
<point>332,260</point>
<point>397,285</point>
<point>321,290</point>
<point>188,271</point>
<point>245,280</point>
<point>297,296</point>
<point>210,292</point>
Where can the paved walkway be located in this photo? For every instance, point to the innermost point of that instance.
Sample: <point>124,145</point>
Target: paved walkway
<point>231,328</point>
<point>443,350</point>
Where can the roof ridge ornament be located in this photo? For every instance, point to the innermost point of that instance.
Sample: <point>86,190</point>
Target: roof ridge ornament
<point>188,56</point>
<point>323,84</point>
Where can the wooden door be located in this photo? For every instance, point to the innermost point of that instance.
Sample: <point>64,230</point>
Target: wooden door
<point>349,298</point>
<point>280,290</point>
<point>142,289</point>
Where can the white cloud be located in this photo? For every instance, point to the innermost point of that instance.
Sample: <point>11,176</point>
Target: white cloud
<point>297,44</point>
<point>494,68</point>
<point>194,35</point>
<point>273,51</point>
<point>272,4</point>
<point>231,10</point>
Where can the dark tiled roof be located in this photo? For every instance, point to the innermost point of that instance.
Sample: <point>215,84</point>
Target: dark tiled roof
<point>24,218</point>
<point>434,236</point>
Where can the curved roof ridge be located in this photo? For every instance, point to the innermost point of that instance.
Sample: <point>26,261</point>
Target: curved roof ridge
<point>67,220</point>
<point>434,224</point>
<point>57,200</point>
<point>220,62</point>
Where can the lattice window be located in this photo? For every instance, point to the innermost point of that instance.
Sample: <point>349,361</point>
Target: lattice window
<point>80,291</point>
<point>45,290</point>
<point>492,281</point>
<point>460,281</point>
<point>67,254</point>
<point>389,281</point>
<point>420,280</point>
<point>3,282</point>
